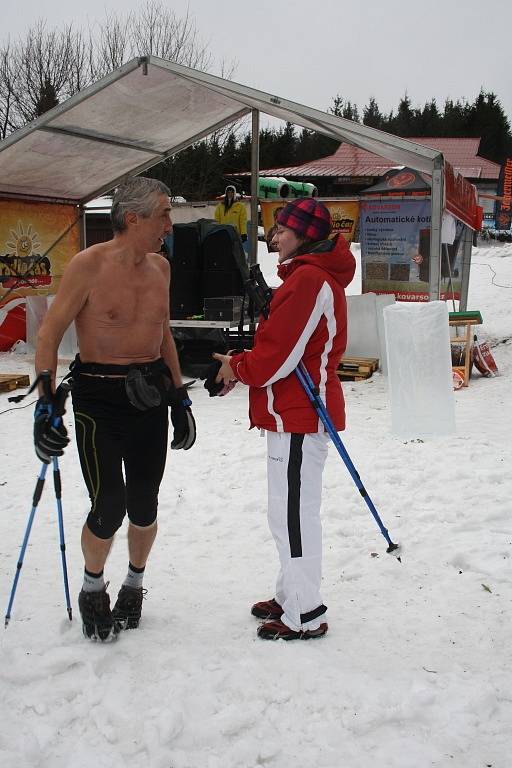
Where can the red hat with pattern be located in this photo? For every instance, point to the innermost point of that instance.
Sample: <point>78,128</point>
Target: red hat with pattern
<point>307,217</point>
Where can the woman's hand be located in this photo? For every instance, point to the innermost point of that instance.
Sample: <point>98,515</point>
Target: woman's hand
<point>225,374</point>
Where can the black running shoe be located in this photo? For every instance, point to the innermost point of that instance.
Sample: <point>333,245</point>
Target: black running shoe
<point>276,630</point>
<point>267,609</point>
<point>128,607</point>
<point>97,620</point>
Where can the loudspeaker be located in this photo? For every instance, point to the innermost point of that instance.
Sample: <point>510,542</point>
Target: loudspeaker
<point>186,252</point>
<point>221,274</point>
<point>221,283</point>
<point>186,298</point>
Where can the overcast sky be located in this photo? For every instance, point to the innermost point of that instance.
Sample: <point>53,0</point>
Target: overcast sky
<point>311,51</point>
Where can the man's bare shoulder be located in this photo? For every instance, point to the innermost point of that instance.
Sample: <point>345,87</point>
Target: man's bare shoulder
<point>84,259</point>
<point>159,261</point>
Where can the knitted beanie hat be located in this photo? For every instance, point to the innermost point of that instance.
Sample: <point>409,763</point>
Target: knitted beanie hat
<point>307,217</point>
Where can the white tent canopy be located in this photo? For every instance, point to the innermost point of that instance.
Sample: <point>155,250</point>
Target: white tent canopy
<point>150,109</point>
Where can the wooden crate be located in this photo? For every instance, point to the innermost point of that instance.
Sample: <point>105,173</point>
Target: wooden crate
<point>357,368</point>
<point>10,381</point>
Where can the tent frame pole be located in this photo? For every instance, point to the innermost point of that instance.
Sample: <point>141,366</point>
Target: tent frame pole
<point>467,245</point>
<point>437,202</point>
<point>255,172</point>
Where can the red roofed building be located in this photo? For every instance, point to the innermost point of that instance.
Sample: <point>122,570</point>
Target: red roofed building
<point>351,170</point>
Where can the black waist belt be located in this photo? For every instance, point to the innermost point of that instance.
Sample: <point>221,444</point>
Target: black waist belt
<point>111,369</point>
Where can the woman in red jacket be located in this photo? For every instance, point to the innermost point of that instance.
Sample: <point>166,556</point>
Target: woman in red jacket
<point>307,321</point>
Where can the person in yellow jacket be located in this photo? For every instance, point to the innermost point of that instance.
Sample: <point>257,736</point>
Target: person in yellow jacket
<point>232,211</point>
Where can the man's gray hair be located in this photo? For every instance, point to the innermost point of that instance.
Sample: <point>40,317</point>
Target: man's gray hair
<point>139,195</point>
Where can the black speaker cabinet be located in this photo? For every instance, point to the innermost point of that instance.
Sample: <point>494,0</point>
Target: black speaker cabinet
<point>186,297</point>
<point>186,261</point>
<point>218,252</point>
<point>186,251</point>
<point>221,283</point>
<point>221,274</point>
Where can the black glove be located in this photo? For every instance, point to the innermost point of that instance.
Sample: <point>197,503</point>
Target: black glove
<point>218,388</point>
<point>210,384</point>
<point>182,419</point>
<point>244,238</point>
<point>50,434</point>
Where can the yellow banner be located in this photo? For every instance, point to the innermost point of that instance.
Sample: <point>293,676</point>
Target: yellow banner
<point>344,214</point>
<point>37,240</point>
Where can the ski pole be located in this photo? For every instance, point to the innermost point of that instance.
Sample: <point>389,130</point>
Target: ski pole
<point>37,495</point>
<point>307,383</point>
<point>58,407</point>
<point>58,495</point>
<point>58,402</point>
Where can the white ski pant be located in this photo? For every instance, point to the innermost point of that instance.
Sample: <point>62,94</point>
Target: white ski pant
<point>294,471</point>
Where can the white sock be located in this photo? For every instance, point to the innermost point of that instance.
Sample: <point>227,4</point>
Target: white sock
<point>93,582</point>
<point>134,577</point>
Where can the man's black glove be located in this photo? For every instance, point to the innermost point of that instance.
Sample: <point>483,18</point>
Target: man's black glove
<point>50,434</point>
<point>182,419</point>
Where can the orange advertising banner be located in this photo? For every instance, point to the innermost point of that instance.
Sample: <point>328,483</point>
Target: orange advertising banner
<point>344,214</point>
<point>37,240</point>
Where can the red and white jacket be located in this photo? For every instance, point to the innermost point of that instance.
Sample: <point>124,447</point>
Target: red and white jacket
<point>308,322</point>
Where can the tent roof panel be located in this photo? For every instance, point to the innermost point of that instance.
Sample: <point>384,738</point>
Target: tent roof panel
<point>42,170</point>
<point>149,109</point>
<point>158,110</point>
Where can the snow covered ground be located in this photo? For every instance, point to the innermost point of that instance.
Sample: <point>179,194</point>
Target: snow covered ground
<point>416,669</point>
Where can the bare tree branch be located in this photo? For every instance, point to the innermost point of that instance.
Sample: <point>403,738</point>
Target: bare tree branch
<point>47,66</point>
<point>9,75</point>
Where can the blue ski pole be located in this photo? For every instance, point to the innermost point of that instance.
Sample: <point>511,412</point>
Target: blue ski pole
<point>37,495</point>
<point>307,383</point>
<point>58,406</point>
<point>58,495</point>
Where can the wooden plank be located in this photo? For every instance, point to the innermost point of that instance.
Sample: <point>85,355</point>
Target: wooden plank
<point>353,375</point>
<point>362,365</point>
<point>10,381</point>
<point>369,360</point>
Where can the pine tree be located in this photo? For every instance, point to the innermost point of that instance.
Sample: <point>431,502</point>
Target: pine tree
<point>403,122</point>
<point>372,116</point>
<point>486,118</point>
<point>346,109</point>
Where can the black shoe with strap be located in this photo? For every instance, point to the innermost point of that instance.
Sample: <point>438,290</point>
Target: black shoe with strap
<point>267,609</point>
<point>97,620</point>
<point>128,607</point>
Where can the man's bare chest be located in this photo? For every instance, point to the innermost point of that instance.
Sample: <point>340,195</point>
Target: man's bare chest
<point>125,302</point>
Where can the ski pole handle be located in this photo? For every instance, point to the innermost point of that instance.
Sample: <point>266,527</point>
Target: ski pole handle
<point>45,377</point>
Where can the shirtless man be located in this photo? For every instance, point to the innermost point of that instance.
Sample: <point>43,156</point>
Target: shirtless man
<point>126,375</point>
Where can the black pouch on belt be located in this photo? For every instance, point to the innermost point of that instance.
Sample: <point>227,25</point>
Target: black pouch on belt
<point>140,392</point>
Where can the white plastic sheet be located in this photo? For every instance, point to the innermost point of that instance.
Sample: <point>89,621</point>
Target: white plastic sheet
<point>420,369</point>
<point>37,306</point>
<point>365,335</point>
